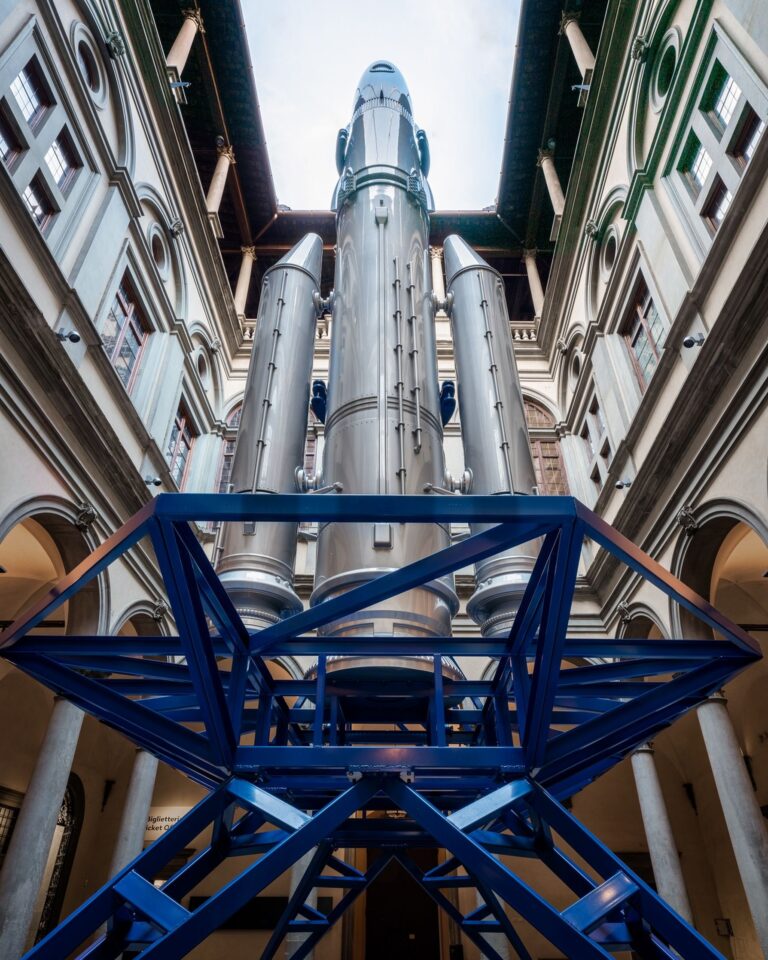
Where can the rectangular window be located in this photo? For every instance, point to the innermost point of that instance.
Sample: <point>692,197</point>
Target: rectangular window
<point>645,335</point>
<point>723,97</point>
<point>696,164</point>
<point>38,203</point>
<point>10,145</point>
<point>124,334</point>
<point>595,436</point>
<point>227,458</point>
<point>180,446</point>
<point>30,93</point>
<point>62,160</point>
<point>752,128</point>
<point>717,205</point>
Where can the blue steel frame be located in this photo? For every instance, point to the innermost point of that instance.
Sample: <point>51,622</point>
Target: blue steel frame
<point>297,765</point>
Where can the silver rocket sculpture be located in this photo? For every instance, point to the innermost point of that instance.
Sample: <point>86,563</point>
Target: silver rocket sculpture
<point>383,433</point>
<point>383,428</point>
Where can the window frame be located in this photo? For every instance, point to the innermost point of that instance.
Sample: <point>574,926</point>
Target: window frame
<point>136,317</point>
<point>230,441</point>
<point>539,434</point>
<point>593,431</point>
<point>184,425</point>
<point>722,59</point>
<point>635,320</point>
<point>31,46</point>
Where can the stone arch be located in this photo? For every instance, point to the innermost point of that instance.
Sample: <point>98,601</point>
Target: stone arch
<point>697,554</point>
<point>651,43</point>
<point>162,227</point>
<point>639,620</point>
<point>205,352</point>
<point>605,250</point>
<point>571,366</point>
<point>65,532</point>
<point>145,618</point>
<point>104,31</point>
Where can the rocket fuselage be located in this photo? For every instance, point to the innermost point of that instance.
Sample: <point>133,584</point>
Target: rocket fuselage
<point>383,432</point>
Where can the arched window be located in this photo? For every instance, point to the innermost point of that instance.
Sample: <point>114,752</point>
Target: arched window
<point>545,449</point>
<point>228,454</point>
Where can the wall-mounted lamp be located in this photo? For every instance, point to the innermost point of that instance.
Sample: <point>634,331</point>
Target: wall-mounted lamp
<point>623,483</point>
<point>695,341</point>
<point>153,481</point>
<point>72,335</point>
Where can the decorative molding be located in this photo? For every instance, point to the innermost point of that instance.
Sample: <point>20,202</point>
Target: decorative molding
<point>687,520</point>
<point>159,610</point>
<point>640,49</point>
<point>194,14</point>
<point>86,515</point>
<point>115,44</point>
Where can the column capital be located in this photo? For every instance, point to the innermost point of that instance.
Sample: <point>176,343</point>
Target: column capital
<point>436,253</point>
<point>193,14</point>
<point>530,253</point>
<point>717,697</point>
<point>645,748</point>
<point>572,16</point>
<point>249,252</point>
<point>544,154</point>
<point>226,150</point>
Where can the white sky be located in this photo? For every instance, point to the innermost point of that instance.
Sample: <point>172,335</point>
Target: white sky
<point>456,56</point>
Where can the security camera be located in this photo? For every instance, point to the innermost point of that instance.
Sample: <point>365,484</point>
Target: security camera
<point>153,481</point>
<point>622,484</point>
<point>695,341</point>
<point>72,335</point>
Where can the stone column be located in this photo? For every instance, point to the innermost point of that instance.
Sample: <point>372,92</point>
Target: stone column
<point>534,282</point>
<point>585,60</point>
<point>745,822</point>
<point>32,837</point>
<point>438,278</point>
<point>218,182</point>
<point>244,279</point>
<point>133,825</point>
<point>552,181</point>
<point>658,831</point>
<point>182,45</point>
<point>294,940</point>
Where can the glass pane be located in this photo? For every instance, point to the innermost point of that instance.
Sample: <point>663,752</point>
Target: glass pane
<point>26,94</point>
<point>726,100</point>
<point>58,161</point>
<point>700,166</point>
<point>36,204</point>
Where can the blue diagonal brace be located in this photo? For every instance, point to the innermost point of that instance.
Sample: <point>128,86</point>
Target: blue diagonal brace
<point>187,607</point>
<point>501,881</point>
<point>664,921</point>
<point>235,894</point>
<point>561,578</point>
<point>471,550</point>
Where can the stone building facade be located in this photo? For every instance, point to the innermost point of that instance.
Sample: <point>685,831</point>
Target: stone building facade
<point>137,216</point>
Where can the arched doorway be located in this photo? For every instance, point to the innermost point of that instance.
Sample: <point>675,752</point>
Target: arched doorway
<point>61,857</point>
<point>38,547</point>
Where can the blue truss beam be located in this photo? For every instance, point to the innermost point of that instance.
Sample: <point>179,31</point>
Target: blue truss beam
<point>536,724</point>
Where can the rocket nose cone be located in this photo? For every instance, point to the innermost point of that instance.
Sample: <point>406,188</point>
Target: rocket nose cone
<point>308,254</point>
<point>383,78</point>
<point>457,254</point>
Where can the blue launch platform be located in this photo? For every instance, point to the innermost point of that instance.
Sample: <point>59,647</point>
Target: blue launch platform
<point>479,768</point>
